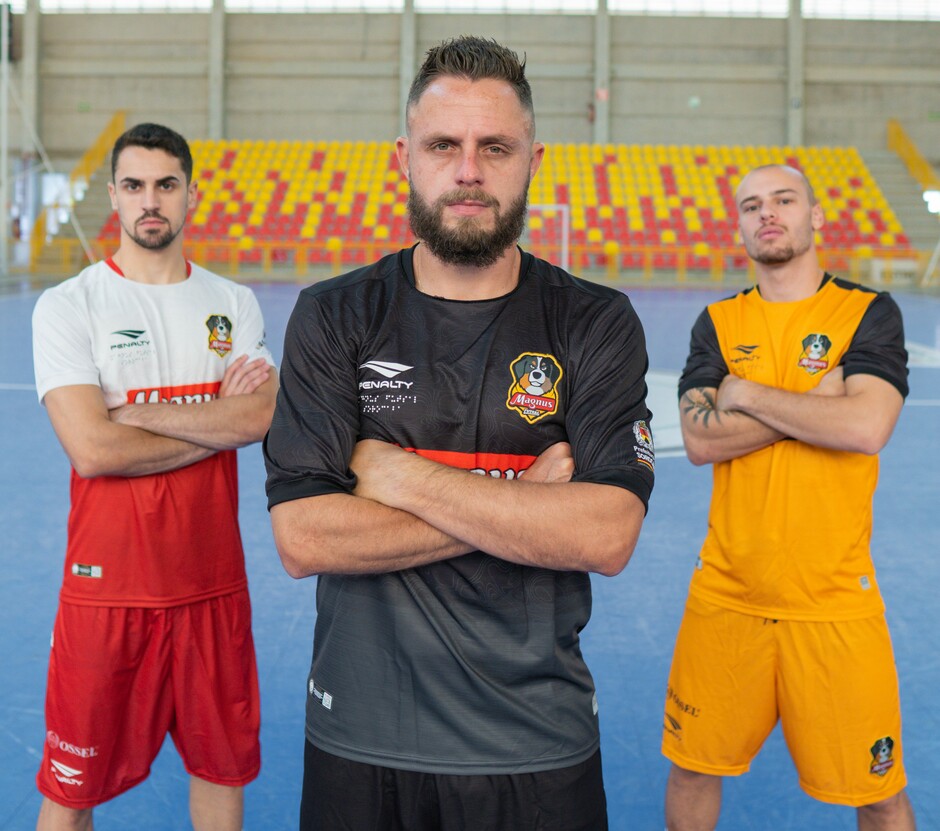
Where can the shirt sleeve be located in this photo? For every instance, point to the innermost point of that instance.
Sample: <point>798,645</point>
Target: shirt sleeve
<point>877,347</point>
<point>249,337</point>
<point>705,366</point>
<point>316,420</point>
<point>62,348</point>
<point>607,419</point>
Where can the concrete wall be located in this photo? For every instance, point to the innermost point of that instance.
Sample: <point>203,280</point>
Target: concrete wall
<point>336,76</point>
<point>862,73</point>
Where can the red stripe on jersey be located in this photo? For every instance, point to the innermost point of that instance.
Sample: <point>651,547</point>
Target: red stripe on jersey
<point>181,394</point>
<point>116,269</point>
<point>501,465</point>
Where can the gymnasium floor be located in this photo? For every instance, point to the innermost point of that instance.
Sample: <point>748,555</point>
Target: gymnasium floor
<point>628,642</point>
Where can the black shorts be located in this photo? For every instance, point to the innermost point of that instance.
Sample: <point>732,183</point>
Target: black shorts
<point>341,795</point>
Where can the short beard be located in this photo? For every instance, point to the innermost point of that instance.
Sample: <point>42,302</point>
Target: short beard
<point>778,257</point>
<point>466,244</point>
<point>156,242</point>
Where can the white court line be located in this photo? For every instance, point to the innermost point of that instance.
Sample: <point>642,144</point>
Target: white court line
<point>921,355</point>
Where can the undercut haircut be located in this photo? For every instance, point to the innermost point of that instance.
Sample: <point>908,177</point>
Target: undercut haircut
<point>154,137</point>
<point>475,59</point>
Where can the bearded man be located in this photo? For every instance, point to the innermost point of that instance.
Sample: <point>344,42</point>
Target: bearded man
<point>447,688</point>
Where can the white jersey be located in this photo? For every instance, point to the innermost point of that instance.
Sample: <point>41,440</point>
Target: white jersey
<point>142,540</point>
<point>133,339</point>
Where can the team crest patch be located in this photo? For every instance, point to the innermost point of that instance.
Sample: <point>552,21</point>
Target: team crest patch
<point>220,334</point>
<point>533,393</point>
<point>643,448</point>
<point>814,357</point>
<point>882,758</point>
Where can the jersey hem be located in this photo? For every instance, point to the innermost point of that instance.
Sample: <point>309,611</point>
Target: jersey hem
<point>150,603</point>
<point>787,614</point>
<point>453,767</point>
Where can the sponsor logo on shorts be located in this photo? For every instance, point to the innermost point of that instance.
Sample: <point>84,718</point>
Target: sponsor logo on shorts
<point>882,756</point>
<point>683,706</point>
<point>53,740</point>
<point>672,727</point>
<point>65,774</point>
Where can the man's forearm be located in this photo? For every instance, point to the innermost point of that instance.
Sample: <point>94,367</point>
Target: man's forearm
<point>346,534</point>
<point>220,424</point>
<point>146,454</point>
<point>860,419</point>
<point>714,435</point>
<point>572,526</point>
<point>96,446</point>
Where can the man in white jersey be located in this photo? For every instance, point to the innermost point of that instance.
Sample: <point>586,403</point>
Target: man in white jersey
<point>153,371</point>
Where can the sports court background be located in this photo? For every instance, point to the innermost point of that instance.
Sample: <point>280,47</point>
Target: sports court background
<point>628,642</point>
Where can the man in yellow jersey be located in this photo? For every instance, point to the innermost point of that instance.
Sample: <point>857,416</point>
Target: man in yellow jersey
<point>790,391</point>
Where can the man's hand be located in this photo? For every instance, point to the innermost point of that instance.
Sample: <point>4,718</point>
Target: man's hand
<point>483,511</point>
<point>555,464</point>
<point>374,463</point>
<point>729,390</point>
<point>243,376</point>
<point>832,383</point>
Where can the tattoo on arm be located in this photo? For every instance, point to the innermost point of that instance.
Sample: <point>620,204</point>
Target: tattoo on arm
<point>700,402</point>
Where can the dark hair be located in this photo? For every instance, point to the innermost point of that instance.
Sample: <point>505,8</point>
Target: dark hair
<point>154,137</point>
<point>474,58</point>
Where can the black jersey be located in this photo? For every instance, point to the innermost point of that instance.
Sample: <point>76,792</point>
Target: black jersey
<point>472,664</point>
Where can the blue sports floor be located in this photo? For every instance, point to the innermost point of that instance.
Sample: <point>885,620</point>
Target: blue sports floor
<point>628,642</point>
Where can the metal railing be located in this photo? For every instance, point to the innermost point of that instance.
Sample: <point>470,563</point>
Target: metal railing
<point>917,165</point>
<point>92,159</point>
<point>306,260</point>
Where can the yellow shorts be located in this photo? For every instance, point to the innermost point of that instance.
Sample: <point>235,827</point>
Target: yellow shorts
<point>833,686</point>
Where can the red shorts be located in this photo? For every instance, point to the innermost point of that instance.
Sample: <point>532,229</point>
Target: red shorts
<point>120,679</point>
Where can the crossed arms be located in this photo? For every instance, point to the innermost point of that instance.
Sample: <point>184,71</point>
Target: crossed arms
<point>856,414</point>
<point>408,511</point>
<point>140,439</point>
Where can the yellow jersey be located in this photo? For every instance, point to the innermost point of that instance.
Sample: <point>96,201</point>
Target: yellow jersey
<point>790,524</point>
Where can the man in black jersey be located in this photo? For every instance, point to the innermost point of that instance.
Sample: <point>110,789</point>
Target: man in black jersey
<point>447,688</point>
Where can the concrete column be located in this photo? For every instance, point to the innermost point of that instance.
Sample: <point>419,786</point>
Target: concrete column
<point>601,97</point>
<point>29,69</point>
<point>216,56</point>
<point>407,60</point>
<point>796,81</point>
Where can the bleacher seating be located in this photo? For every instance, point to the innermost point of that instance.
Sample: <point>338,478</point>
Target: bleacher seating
<point>348,199</point>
